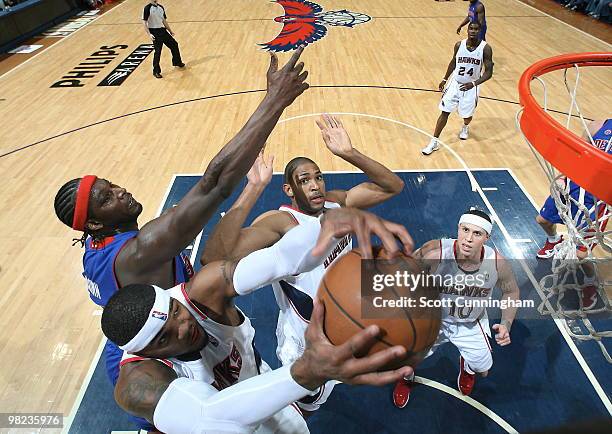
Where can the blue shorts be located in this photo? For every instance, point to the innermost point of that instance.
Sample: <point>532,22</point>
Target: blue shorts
<point>112,357</point>
<point>483,33</point>
<point>549,209</point>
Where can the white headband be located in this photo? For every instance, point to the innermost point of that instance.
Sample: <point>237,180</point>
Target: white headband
<point>155,321</point>
<point>478,221</point>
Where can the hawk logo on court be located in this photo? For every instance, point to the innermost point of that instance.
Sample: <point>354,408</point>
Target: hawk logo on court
<point>305,22</point>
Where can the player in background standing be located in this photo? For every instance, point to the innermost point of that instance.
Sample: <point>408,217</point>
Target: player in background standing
<point>463,78</point>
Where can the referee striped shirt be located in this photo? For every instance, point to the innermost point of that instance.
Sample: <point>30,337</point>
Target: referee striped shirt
<point>154,14</point>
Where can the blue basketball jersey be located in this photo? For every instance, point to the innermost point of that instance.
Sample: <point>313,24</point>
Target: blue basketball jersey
<point>99,272</point>
<point>99,266</point>
<point>473,15</point>
<point>602,140</point>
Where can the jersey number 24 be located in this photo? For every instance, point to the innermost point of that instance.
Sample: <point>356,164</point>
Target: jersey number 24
<point>462,71</point>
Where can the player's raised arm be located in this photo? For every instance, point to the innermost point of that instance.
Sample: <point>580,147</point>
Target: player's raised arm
<point>301,249</point>
<point>165,237</point>
<point>222,242</point>
<point>384,183</point>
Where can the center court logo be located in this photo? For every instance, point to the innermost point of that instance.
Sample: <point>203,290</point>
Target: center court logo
<point>305,22</point>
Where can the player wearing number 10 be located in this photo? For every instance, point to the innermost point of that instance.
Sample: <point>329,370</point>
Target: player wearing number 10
<point>464,316</point>
<point>463,86</point>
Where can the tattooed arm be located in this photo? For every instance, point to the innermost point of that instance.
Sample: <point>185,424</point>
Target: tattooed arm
<point>428,256</point>
<point>140,386</point>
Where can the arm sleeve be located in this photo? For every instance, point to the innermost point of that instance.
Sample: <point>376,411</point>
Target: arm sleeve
<point>190,406</point>
<point>291,255</point>
<point>146,12</point>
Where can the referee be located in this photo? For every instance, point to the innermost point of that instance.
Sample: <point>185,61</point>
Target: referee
<point>154,19</point>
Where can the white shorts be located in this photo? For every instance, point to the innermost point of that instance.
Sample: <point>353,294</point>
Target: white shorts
<point>472,341</point>
<point>464,101</point>
<point>290,348</point>
<point>287,421</point>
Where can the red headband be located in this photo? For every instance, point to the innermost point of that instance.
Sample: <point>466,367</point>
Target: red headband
<point>82,202</point>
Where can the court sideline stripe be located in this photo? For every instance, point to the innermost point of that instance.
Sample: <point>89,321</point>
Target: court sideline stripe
<point>86,381</point>
<point>130,23</point>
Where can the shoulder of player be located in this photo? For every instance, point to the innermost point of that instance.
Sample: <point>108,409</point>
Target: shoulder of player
<point>276,220</point>
<point>430,250</point>
<point>141,384</point>
<point>487,50</point>
<point>501,262</point>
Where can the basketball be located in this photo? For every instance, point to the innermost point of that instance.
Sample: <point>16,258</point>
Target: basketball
<point>350,308</point>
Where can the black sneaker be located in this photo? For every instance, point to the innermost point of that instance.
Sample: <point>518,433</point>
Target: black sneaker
<point>180,65</point>
<point>157,75</point>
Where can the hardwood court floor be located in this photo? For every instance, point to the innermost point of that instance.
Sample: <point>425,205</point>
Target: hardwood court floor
<point>140,133</point>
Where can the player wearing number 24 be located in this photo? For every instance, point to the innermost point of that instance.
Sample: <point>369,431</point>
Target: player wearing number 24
<point>461,83</point>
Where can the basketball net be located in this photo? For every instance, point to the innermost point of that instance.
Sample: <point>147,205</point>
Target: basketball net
<point>586,230</point>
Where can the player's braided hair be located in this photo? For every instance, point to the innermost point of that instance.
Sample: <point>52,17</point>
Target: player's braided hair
<point>65,203</point>
<point>126,312</point>
<point>293,164</point>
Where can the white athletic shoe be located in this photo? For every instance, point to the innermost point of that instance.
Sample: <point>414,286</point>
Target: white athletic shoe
<point>465,132</point>
<point>432,146</point>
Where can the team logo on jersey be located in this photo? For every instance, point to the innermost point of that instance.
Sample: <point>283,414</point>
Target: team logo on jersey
<point>305,22</point>
<point>159,315</point>
<point>608,132</point>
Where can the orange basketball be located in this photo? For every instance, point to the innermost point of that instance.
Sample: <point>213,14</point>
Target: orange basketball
<point>349,307</point>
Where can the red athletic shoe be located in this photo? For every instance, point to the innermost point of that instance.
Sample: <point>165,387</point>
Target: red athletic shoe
<point>465,381</point>
<point>401,393</point>
<point>589,297</point>
<point>547,251</point>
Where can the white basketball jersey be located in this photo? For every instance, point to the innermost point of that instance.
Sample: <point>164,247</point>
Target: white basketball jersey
<point>294,295</point>
<point>468,64</point>
<point>229,356</point>
<point>460,289</point>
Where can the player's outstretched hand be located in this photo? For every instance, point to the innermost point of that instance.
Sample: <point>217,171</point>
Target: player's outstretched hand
<point>287,83</point>
<point>341,221</point>
<point>322,361</point>
<point>335,136</point>
<point>260,173</point>
<point>502,335</point>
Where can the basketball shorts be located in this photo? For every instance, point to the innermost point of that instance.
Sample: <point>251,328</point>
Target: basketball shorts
<point>287,421</point>
<point>290,348</point>
<point>472,341</point>
<point>464,102</point>
<point>550,212</point>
